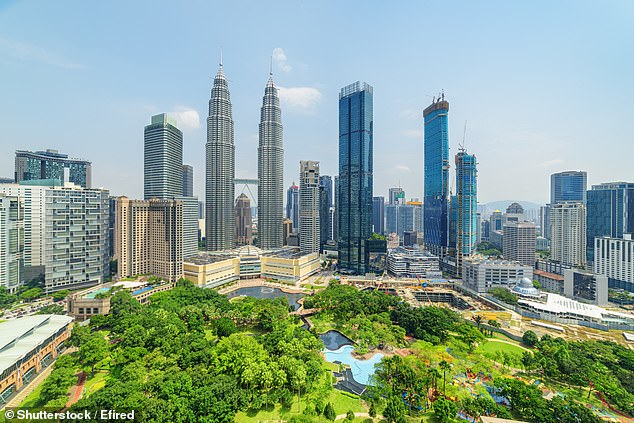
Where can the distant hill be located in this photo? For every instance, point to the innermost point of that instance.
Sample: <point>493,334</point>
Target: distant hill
<point>503,204</point>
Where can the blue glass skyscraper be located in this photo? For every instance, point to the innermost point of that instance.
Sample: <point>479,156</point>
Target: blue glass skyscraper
<point>355,176</point>
<point>610,212</point>
<point>436,170</point>
<point>568,186</point>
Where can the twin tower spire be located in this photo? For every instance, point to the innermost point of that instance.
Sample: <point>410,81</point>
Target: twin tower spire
<point>220,221</point>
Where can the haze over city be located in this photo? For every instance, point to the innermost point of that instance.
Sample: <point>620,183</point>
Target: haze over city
<point>543,88</point>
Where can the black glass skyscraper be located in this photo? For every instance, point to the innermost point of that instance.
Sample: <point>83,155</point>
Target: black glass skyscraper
<point>355,176</point>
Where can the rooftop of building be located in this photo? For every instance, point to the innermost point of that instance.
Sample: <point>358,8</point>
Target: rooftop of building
<point>202,258</point>
<point>526,288</point>
<point>245,251</point>
<point>49,154</point>
<point>479,259</point>
<point>549,275</point>
<point>287,253</point>
<point>21,336</point>
<point>558,304</point>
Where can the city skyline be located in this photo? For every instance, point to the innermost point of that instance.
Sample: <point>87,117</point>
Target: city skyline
<point>59,72</point>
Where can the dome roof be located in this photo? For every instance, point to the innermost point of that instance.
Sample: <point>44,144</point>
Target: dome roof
<point>525,288</point>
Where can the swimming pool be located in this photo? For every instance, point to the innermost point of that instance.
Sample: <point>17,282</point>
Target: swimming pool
<point>95,293</point>
<point>361,369</point>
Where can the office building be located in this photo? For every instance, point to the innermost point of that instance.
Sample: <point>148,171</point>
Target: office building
<point>412,263</point>
<point>568,238</point>
<point>355,176</point>
<point>410,238</point>
<point>75,237</point>
<point>292,205</point>
<point>614,258</point>
<point>270,170</point>
<point>519,242</point>
<point>309,235</point>
<point>391,219</point>
<point>335,214</point>
<point>418,215</point>
<point>162,158</point>
<point>495,221</point>
<point>287,229</point>
<point>325,204</point>
<point>11,242</point>
<point>396,196</point>
<point>376,256</point>
<point>244,233</point>
<point>149,237</point>
<point>514,213</point>
<point>436,171</point>
<point>466,205</point>
<point>220,223</point>
<point>188,181</point>
<point>585,286</point>
<point>568,186</point>
<point>51,164</point>
<point>610,212</point>
<point>544,221</point>
<point>481,274</point>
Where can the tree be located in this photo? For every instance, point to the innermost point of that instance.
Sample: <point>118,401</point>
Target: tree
<point>329,412</point>
<point>60,295</point>
<point>31,294</point>
<point>225,327</point>
<point>93,350</point>
<point>445,366</point>
<point>350,416</point>
<point>394,410</point>
<point>445,410</point>
<point>477,319</point>
<point>530,338</point>
<point>372,410</point>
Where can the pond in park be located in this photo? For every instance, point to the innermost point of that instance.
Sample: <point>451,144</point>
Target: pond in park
<point>339,350</point>
<point>266,292</point>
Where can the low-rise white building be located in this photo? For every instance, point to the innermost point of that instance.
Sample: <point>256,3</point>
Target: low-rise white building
<point>411,262</point>
<point>481,274</point>
<point>614,258</point>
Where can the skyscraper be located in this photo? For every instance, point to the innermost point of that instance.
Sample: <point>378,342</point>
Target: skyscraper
<point>610,210</point>
<point>568,237</point>
<point>309,206</point>
<point>292,205</point>
<point>467,206</point>
<point>355,175</point>
<point>396,195</point>
<point>335,213</point>
<point>436,170</point>
<point>270,171</point>
<point>162,158</point>
<point>188,181</point>
<point>378,215</point>
<point>325,204</point>
<point>519,242</point>
<point>220,222</point>
<point>11,242</point>
<point>244,233</point>
<point>568,186</point>
<point>50,164</point>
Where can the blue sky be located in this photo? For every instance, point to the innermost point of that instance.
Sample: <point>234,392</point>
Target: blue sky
<point>545,86</point>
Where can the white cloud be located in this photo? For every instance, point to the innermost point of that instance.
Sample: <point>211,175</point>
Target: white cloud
<point>186,118</point>
<point>414,133</point>
<point>552,162</point>
<point>30,52</point>
<point>402,169</point>
<point>411,114</point>
<point>301,99</point>
<point>280,59</point>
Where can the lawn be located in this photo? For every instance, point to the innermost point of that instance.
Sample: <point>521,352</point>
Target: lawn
<point>95,383</point>
<point>492,346</point>
<point>322,323</point>
<point>32,400</point>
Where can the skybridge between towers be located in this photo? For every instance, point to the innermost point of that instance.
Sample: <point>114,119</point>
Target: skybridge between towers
<point>242,184</point>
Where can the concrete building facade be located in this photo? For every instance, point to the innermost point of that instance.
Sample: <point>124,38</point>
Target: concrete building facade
<point>309,233</point>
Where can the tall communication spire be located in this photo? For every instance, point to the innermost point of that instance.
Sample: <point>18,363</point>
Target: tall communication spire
<point>220,219</point>
<point>270,169</point>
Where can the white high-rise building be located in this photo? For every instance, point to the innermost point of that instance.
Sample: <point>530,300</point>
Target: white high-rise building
<point>162,158</point>
<point>220,222</point>
<point>519,242</point>
<point>309,206</point>
<point>614,258</point>
<point>11,241</point>
<point>270,171</point>
<point>568,233</point>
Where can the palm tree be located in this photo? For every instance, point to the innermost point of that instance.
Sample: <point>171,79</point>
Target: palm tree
<point>434,374</point>
<point>477,319</point>
<point>445,367</point>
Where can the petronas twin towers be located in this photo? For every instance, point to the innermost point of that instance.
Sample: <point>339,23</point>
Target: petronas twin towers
<point>220,230</point>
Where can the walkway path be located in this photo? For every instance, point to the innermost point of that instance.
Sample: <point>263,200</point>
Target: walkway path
<point>33,385</point>
<point>343,416</point>
<point>77,390</point>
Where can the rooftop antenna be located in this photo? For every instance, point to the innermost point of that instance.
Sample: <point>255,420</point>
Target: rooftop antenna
<point>220,56</point>
<point>271,67</point>
<point>443,94</point>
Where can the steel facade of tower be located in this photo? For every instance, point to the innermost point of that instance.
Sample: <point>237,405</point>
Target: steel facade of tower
<point>50,164</point>
<point>325,204</point>
<point>355,176</point>
<point>378,215</point>
<point>610,212</point>
<point>220,222</point>
<point>568,186</point>
<point>292,205</point>
<point>270,171</point>
<point>436,171</point>
<point>467,206</point>
<point>162,158</point>
<point>188,181</point>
